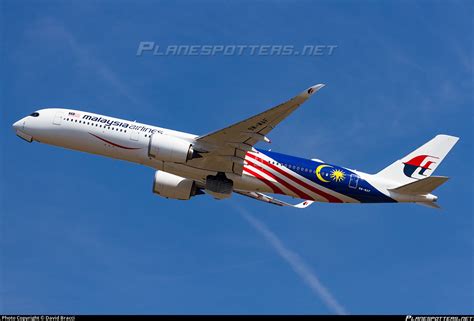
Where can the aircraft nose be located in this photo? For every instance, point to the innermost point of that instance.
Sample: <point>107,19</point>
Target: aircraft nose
<point>18,125</point>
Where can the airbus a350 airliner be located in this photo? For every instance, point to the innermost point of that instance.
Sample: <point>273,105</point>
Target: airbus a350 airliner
<point>225,162</point>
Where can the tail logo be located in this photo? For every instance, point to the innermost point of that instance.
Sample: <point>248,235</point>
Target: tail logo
<point>421,161</point>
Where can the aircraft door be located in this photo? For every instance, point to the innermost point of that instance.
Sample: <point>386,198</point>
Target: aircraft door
<point>58,118</point>
<point>134,135</point>
<point>353,181</point>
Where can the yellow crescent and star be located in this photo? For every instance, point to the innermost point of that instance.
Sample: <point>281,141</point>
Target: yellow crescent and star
<point>336,174</point>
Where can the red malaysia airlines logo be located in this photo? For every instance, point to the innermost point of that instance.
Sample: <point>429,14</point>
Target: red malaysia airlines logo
<point>421,161</point>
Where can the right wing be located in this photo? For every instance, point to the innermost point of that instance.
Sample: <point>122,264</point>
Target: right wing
<point>224,150</point>
<point>268,199</point>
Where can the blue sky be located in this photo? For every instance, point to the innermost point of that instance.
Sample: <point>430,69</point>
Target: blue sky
<point>84,234</point>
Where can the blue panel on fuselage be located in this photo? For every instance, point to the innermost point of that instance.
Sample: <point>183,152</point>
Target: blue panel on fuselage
<point>333,177</point>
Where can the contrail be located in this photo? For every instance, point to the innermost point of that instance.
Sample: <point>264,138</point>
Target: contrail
<point>296,263</point>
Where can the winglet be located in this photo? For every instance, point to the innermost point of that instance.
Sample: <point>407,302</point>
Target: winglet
<point>303,204</point>
<point>311,90</point>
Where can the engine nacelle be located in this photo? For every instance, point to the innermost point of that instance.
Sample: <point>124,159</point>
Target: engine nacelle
<point>169,149</point>
<point>173,186</point>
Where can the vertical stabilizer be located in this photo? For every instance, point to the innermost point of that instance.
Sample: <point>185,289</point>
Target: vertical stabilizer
<point>420,163</point>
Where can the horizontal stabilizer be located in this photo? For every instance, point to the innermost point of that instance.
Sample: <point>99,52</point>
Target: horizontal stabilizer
<point>422,186</point>
<point>429,204</point>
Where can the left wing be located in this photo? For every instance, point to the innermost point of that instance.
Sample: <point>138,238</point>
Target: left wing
<point>271,200</point>
<point>224,150</point>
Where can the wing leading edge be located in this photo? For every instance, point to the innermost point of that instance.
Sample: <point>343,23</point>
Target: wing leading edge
<point>224,150</point>
<point>268,199</point>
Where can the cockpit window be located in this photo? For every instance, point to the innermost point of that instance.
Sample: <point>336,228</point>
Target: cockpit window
<point>35,114</point>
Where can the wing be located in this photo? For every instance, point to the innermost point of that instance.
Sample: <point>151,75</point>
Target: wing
<point>268,199</point>
<point>224,150</point>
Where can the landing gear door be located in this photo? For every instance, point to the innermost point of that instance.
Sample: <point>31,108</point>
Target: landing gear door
<point>58,118</point>
<point>353,181</point>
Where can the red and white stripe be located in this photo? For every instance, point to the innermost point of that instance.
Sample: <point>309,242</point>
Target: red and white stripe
<point>283,180</point>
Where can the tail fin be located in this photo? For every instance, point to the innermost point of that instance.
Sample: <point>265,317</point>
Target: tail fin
<point>420,163</point>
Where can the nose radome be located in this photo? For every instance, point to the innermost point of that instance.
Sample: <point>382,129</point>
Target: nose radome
<point>17,125</point>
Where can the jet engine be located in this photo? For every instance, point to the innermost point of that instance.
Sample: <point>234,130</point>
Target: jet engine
<point>175,187</point>
<point>170,149</point>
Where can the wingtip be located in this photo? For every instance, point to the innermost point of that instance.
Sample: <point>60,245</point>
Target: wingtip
<point>313,89</point>
<point>303,204</point>
<point>430,205</point>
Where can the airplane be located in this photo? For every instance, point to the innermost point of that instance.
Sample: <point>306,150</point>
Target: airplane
<point>225,161</point>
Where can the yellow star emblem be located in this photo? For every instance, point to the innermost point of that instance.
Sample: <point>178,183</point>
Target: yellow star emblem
<point>337,175</point>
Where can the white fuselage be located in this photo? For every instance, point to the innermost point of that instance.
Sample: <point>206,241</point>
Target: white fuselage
<point>129,141</point>
<point>68,129</point>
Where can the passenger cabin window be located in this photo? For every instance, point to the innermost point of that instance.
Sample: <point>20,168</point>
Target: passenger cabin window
<point>35,114</point>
